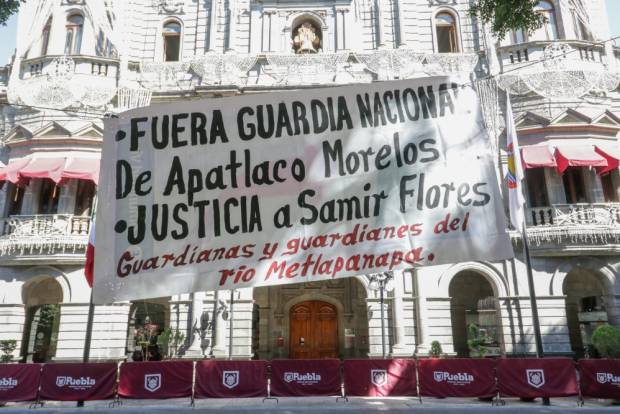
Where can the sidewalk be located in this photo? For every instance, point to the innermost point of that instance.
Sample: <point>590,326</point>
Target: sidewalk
<point>322,405</point>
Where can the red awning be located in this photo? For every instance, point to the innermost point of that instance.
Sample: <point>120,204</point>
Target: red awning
<point>578,156</point>
<point>537,157</point>
<point>612,155</point>
<point>11,171</point>
<point>44,168</point>
<point>82,169</point>
<point>56,169</point>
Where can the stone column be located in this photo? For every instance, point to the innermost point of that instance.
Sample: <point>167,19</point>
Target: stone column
<point>242,324</point>
<point>194,349</point>
<point>400,21</point>
<point>12,321</point>
<point>232,26</point>
<point>379,24</point>
<point>399,348</point>
<point>212,25</point>
<point>375,338</point>
<point>423,346</point>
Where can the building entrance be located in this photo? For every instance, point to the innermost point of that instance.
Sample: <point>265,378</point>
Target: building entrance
<point>314,330</point>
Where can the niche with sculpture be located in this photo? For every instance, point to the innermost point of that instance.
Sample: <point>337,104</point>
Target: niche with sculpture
<point>307,38</point>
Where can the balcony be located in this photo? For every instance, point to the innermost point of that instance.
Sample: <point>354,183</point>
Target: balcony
<point>35,238</point>
<point>569,229</point>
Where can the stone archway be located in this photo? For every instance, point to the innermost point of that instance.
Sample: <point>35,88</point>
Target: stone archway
<point>42,296</point>
<point>586,307</point>
<point>474,304</point>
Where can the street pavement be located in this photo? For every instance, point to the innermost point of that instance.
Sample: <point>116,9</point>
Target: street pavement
<point>317,405</point>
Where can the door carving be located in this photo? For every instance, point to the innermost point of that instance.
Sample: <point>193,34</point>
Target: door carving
<point>314,331</point>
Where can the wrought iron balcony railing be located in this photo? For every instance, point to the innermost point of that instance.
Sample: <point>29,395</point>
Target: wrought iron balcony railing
<point>575,225</point>
<point>44,234</point>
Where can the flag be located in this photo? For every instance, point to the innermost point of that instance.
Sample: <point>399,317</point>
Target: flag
<point>89,267</point>
<point>514,176</point>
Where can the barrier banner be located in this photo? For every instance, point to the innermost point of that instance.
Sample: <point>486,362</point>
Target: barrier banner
<point>289,187</point>
<point>536,377</point>
<point>465,378</point>
<point>380,377</point>
<point>19,382</point>
<point>305,377</point>
<point>600,378</point>
<point>231,379</point>
<point>78,382</point>
<point>156,380</point>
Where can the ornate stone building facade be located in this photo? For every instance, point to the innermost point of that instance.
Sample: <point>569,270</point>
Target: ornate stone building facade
<point>78,60</point>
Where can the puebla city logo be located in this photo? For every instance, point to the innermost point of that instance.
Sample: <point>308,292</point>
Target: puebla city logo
<point>81,383</point>
<point>535,377</point>
<point>602,378</point>
<point>309,378</point>
<point>152,382</point>
<point>7,383</point>
<point>378,377</point>
<point>460,378</point>
<point>230,379</point>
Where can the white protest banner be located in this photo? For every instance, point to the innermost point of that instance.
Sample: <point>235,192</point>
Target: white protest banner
<point>273,188</point>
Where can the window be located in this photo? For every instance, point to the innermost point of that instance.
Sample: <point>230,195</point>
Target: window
<point>73,41</point>
<point>307,38</point>
<point>48,197</point>
<point>172,42</point>
<point>84,198</point>
<point>549,29</point>
<point>536,188</point>
<point>45,37</point>
<point>517,36</point>
<point>100,49</point>
<point>573,186</point>
<point>447,41</point>
<point>15,199</point>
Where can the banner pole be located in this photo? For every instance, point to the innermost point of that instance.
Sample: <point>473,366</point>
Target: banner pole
<point>89,334</point>
<point>230,325</point>
<point>534,305</point>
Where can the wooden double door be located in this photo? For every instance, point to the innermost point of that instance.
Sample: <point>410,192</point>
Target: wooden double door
<point>313,331</point>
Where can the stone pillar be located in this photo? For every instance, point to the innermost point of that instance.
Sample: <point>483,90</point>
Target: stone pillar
<point>31,198</point>
<point>232,26</point>
<point>12,321</point>
<point>375,338</point>
<point>400,20</point>
<point>66,202</point>
<point>555,187</point>
<point>212,25</point>
<point>379,24</point>
<point>241,324</point>
<point>109,339</point>
<point>398,317</point>
<point>71,332</point>
<point>422,343</point>
<point>612,305</point>
<point>194,340</point>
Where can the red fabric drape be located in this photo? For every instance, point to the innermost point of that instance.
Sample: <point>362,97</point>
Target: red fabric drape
<point>156,380</point>
<point>78,382</point>
<point>536,377</point>
<point>600,378</point>
<point>457,377</point>
<point>19,382</point>
<point>380,377</point>
<point>305,377</point>
<point>231,379</point>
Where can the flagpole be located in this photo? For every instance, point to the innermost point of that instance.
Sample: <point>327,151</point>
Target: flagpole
<point>516,182</point>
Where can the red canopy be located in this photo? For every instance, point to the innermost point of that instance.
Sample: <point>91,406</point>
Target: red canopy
<point>578,156</point>
<point>537,156</point>
<point>612,155</point>
<point>54,168</point>
<point>44,168</point>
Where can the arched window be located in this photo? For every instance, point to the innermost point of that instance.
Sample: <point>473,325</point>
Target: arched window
<point>307,38</point>
<point>549,29</point>
<point>172,41</point>
<point>45,37</point>
<point>73,42</point>
<point>447,39</point>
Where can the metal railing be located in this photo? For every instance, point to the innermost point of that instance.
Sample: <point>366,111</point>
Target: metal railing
<point>598,214</point>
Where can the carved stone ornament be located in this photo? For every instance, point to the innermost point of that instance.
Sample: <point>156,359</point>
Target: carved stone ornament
<point>169,6</point>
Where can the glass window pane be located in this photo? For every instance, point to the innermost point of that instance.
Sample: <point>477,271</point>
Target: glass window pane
<point>444,19</point>
<point>171,48</point>
<point>172,28</point>
<point>444,40</point>
<point>68,41</point>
